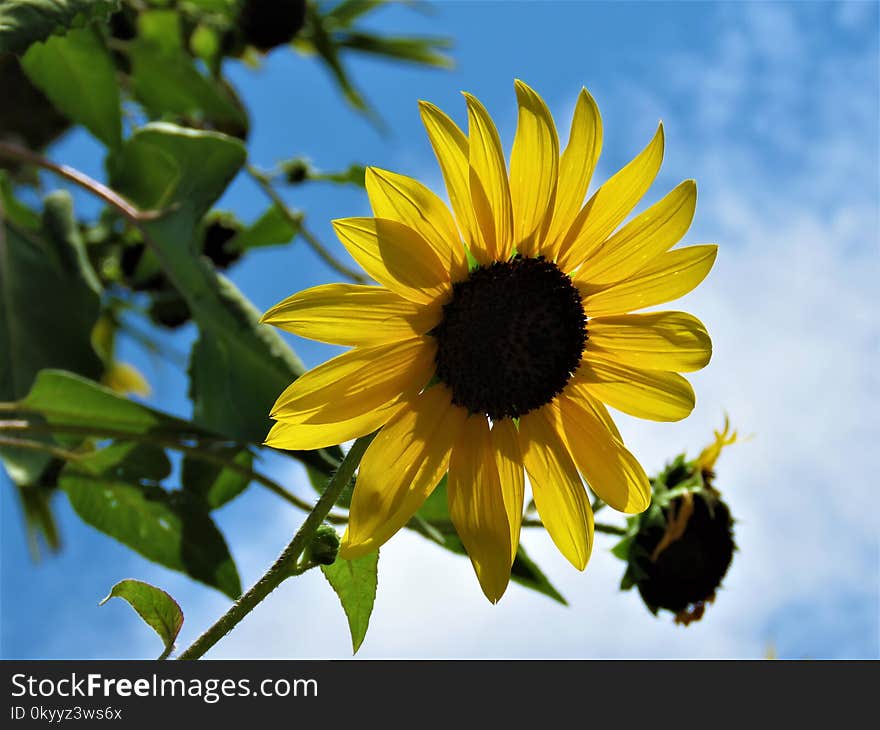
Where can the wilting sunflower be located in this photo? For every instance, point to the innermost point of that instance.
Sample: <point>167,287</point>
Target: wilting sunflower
<point>497,333</point>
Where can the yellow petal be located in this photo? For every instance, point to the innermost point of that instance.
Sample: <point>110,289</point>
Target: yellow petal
<point>611,204</point>
<point>656,340</point>
<point>612,472</point>
<point>643,239</point>
<point>669,276</point>
<point>300,434</point>
<point>476,506</point>
<point>575,169</point>
<point>533,169</point>
<point>348,314</point>
<point>508,459</point>
<point>451,149</point>
<point>357,381</point>
<point>400,469</point>
<point>559,494</point>
<point>395,256</point>
<point>407,201</point>
<point>651,394</point>
<point>490,191</point>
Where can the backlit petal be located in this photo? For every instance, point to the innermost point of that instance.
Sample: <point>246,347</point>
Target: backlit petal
<point>651,394</point>
<point>490,191</point>
<point>643,239</point>
<point>556,487</point>
<point>508,459</point>
<point>349,314</point>
<point>610,205</point>
<point>407,201</point>
<point>400,468</point>
<point>612,472</point>
<point>476,506</point>
<point>533,169</point>
<point>576,168</point>
<point>357,381</point>
<point>655,340</point>
<point>451,149</point>
<point>669,276</point>
<point>300,434</point>
<point>395,256</point>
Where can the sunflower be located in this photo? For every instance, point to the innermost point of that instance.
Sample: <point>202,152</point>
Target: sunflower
<point>498,334</point>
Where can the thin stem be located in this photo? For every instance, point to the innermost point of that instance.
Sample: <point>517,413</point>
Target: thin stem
<point>28,445</point>
<point>192,451</point>
<point>16,152</point>
<point>287,561</point>
<point>296,220</point>
<point>598,527</point>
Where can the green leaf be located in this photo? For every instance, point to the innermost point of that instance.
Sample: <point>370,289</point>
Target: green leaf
<point>23,22</point>
<point>424,51</point>
<point>217,485</point>
<point>354,581</point>
<point>128,461</point>
<point>45,325</point>
<point>76,73</point>
<point>526,572</point>
<point>65,399</point>
<point>270,229</point>
<point>159,610</point>
<point>166,80</point>
<point>169,528</point>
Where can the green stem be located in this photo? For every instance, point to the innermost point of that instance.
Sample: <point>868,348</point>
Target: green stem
<point>598,527</point>
<point>296,220</point>
<point>286,565</point>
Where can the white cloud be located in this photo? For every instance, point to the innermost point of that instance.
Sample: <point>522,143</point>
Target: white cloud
<point>792,309</point>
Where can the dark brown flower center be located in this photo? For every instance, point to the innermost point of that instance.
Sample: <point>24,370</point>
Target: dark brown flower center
<point>511,337</point>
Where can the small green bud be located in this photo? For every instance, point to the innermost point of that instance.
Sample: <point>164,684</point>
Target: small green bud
<point>324,546</point>
<point>296,171</point>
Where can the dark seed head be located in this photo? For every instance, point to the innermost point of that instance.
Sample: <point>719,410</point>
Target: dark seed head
<point>511,337</point>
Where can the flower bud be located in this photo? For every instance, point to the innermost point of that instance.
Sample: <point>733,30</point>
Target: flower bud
<point>323,547</point>
<point>266,24</point>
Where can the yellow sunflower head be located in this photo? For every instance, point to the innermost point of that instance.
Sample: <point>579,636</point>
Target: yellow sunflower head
<point>498,334</point>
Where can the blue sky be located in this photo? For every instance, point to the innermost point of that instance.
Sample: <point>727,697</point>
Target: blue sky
<point>773,109</point>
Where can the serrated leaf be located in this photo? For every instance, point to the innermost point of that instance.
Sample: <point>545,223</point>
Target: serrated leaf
<point>169,528</point>
<point>159,610</point>
<point>355,581</point>
<point>77,75</point>
<point>23,22</point>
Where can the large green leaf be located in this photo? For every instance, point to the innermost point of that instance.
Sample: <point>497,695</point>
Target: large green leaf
<point>169,528</point>
<point>159,610</point>
<point>238,366</point>
<point>77,75</point>
<point>354,581</point>
<point>23,22</point>
<point>46,325</point>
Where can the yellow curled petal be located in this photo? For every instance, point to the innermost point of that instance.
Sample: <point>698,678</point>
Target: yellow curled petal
<point>558,491</point>
<point>612,472</point>
<point>533,169</point>
<point>451,149</point>
<point>489,187</point>
<point>301,434</point>
<point>669,276</point>
<point>610,205</point>
<point>476,506</point>
<point>575,170</point>
<point>400,468</point>
<point>407,201</point>
<point>508,459</point>
<point>644,238</point>
<point>651,394</point>
<point>357,381</point>
<point>395,256</point>
<point>349,314</point>
<point>674,341</point>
